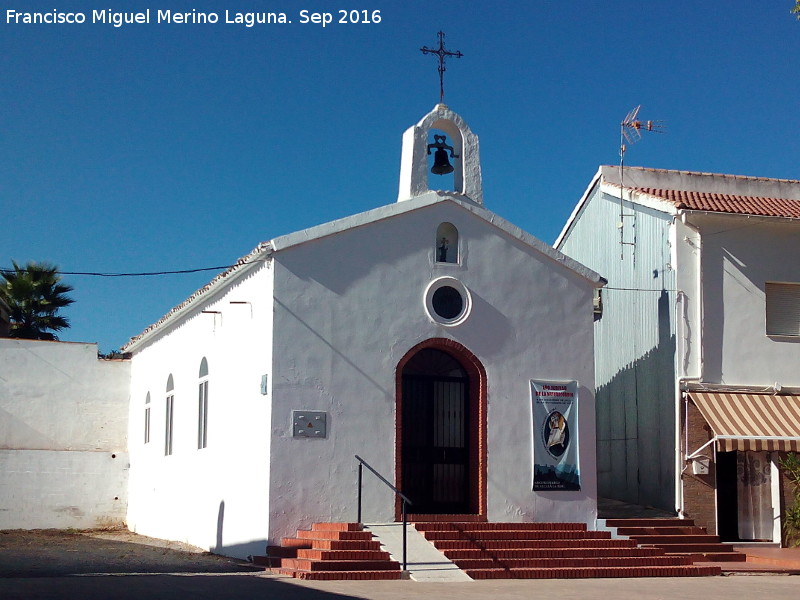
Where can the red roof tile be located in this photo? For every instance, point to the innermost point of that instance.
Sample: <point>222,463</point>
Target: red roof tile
<point>727,203</point>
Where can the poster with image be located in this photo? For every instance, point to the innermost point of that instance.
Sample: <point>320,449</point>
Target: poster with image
<point>554,407</point>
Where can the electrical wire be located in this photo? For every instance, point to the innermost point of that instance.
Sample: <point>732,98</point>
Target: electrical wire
<point>145,274</point>
<point>622,289</point>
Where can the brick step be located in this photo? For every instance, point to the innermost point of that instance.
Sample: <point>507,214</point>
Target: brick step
<point>691,548</point>
<point>456,555</point>
<point>499,526</point>
<point>301,564</point>
<point>727,556</point>
<point>664,540</point>
<point>283,551</point>
<point>332,551</point>
<point>340,575</point>
<point>592,572</point>
<point>666,522</point>
<point>419,518</point>
<point>514,534</point>
<point>554,563</point>
<point>315,554</point>
<point>318,544</point>
<point>637,531</point>
<point>294,543</point>
<point>531,544</point>
<point>313,534</point>
<point>336,527</point>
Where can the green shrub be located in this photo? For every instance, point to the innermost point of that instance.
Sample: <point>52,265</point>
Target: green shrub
<point>791,516</point>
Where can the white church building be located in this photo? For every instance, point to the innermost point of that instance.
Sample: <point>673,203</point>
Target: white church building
<point>417,335</point>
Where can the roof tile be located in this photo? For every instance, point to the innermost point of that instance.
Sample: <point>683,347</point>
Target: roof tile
<point>727,203</point>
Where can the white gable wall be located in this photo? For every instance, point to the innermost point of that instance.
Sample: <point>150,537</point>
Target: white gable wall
<point>213,497</point>
<point>63,430</point>
<point>349,306</point>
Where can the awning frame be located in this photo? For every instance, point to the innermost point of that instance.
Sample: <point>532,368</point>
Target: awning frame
<point>720,438</point>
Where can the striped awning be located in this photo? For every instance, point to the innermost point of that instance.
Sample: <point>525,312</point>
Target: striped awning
<point>751,421</point>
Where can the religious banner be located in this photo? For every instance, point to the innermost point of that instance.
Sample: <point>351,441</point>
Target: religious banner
<point>555,435</point>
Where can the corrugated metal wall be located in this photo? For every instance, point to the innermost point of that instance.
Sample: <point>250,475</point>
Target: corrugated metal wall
<point>634,347</point>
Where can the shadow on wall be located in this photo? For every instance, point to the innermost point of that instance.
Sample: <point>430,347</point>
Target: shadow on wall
<point>243,551</point>
<point>220,522</point>
<point>636,425</point>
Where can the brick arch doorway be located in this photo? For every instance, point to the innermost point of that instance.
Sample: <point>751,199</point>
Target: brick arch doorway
<point>441,429</point>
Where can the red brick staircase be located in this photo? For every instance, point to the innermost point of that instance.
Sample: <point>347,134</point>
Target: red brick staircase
<point>342,551</point>
<point>331,551</point>
<point>677,537</point>
<point>551,551</point>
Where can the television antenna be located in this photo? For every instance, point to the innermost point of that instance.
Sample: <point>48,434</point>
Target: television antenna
<point>630,131</point>
<point>631,128</point>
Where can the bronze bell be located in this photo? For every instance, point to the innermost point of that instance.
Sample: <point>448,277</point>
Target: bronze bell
<point>441,164</point>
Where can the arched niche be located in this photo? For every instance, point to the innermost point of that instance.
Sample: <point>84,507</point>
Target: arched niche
<point>446,249</point>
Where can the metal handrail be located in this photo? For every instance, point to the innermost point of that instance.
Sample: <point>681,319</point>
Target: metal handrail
<point>361,464</point>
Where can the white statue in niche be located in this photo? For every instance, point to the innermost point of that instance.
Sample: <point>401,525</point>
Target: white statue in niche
<point>444,244</point>
<point>446,247</point>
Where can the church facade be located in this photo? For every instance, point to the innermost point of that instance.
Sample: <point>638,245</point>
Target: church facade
<point>417,335</point>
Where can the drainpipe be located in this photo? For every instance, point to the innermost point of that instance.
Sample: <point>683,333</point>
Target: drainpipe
<point>682,332</point>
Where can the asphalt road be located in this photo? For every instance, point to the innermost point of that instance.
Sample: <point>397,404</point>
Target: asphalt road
<point>120,566</point>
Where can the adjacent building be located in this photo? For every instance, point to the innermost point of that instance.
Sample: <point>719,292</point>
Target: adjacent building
<point>697,339</point>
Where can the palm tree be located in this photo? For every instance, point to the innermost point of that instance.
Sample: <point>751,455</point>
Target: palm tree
<point>34,296</point>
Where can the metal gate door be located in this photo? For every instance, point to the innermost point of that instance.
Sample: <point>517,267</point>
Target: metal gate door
<point>435,435</point>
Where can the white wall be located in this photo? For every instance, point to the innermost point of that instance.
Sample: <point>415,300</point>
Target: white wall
<point>214,497</point>
<point>738,256</point>
<point>63,436</point>
<point>347,309</point>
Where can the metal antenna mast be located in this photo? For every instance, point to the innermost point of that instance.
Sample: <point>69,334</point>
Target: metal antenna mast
<point>630,130</point>
<point>442,54</point>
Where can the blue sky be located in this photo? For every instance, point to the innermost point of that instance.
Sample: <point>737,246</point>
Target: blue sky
<point>157,147</point>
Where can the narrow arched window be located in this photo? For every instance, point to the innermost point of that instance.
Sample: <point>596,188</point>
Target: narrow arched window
<point>147,418</point>
<point>446,243</point>
<point>169,416</point>
<point>202,406</point>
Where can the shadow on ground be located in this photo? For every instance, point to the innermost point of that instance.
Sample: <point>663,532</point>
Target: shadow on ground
<point>54,553</point>
<point>158,587</point>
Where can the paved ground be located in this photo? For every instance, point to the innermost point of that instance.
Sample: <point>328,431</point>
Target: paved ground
<point>265,587</point>
<point>57,565</point>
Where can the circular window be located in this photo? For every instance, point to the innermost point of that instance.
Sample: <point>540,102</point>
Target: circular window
<point>447,301</point>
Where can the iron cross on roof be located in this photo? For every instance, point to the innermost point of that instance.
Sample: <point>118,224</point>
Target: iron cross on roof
<point>441,53</point>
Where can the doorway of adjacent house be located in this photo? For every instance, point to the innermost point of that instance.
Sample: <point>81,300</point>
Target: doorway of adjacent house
<point>744,496</point>
<point>435,434</point>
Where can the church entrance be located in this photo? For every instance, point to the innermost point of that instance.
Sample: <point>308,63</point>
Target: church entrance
<point>438,441</point>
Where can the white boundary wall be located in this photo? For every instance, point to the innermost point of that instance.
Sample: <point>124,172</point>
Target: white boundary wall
<point>63,436</point>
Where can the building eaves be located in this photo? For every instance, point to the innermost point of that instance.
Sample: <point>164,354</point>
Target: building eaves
<point>279,244</point>
<point>727,203</point>
<point>715,176</point>
<point>255,257</point>
<point>420,202</point>
<point>578,209</point>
